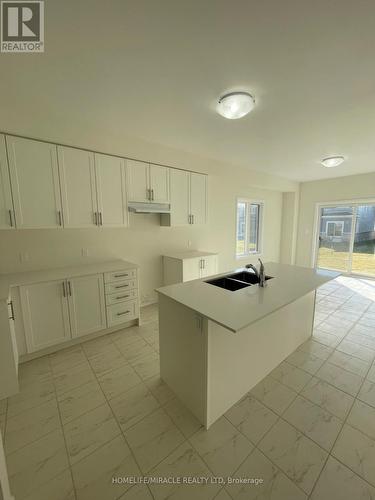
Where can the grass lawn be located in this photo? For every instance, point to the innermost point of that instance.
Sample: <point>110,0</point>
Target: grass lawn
<point>362,262</point>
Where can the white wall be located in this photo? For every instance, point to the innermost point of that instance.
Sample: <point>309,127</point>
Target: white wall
<point>353,187</point>
<point>146,241</point>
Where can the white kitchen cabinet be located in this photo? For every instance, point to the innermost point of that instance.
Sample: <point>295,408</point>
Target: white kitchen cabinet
<point>55,311</point>
<point>208,266</point>
<point>159,184</point>
<point>147,183</point>
<point>8,351</point>
<point>35,183</point>
<point>188,199</point>
<point>78,188</point>
<point>180,198</point>
<point>198,198</point>
<point>86,304</point>
<point>111,190</point>
<point>7,219</point>
<point>186,266</point>
<point>138,180</point>
<point>45,314</point>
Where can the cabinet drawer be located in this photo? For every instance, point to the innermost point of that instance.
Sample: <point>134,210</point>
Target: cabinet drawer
<point>120,286</point>
<point>120,275</point>
<point>120,313</point>
<point>115,298</point>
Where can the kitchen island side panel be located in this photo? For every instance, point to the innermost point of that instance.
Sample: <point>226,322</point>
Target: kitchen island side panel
<point>238,361</point>
<point>183,354</point>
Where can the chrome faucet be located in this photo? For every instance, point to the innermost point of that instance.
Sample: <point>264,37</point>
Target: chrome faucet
<point>262,275</point>
<point>259,274</point>
<point>253,268</point>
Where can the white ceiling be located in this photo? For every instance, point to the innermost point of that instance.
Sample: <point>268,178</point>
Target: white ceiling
<point>154,69</point>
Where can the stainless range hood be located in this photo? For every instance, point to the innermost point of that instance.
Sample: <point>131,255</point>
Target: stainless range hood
<point>149,208</point>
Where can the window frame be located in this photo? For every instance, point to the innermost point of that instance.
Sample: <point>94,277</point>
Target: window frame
<point>336,224</point>
<point>259,249</point>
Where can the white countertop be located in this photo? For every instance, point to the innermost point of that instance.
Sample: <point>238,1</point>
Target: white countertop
<point>237,310</point>
<point>57,273</point>
<point>188,254</point>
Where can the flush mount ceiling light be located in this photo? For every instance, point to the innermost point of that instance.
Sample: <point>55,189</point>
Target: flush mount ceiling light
<point>235,105</point>
<point>332,161</point>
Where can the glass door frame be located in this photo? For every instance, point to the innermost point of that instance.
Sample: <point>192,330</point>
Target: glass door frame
<point>348,203</point>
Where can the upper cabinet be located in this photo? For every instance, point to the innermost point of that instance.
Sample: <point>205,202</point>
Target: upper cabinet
<point>35,183</point>
<point>7,219</point>
<point>198,198</point>
<point>188,199</point>
<point>111,190</point>
<point>180,199</point>
<point>159,184</point>
<point>78,188</point>
<point>147,183</point>
<point>45,185</point>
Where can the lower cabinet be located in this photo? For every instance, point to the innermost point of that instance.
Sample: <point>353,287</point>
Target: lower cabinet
<point>57,311</point>
<point>187,266</point>
<point>45,313</point>
<point>86,304</point>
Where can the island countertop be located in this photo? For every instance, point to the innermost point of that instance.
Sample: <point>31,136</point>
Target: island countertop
<point>239,309</point>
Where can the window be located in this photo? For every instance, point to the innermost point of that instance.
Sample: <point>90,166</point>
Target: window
<point>249,220</point>
<point>334,228</point>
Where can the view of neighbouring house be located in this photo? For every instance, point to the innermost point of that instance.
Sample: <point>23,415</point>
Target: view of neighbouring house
<point>347,238</point>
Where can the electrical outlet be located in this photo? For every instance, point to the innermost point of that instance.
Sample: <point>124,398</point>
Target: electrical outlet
<point>85,252</point>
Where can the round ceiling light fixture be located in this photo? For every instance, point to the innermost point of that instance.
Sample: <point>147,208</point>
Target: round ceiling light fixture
<point>235,105</point>
<point>332,161</point>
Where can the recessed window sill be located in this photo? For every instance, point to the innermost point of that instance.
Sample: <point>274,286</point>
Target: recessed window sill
<point>246,256</point>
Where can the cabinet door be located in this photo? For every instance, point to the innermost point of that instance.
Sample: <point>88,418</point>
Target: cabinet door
<point>78,188</point>
<point>86,304</point>
<point>6,203</point>
<point>45,314</point>
<point>159,183</point>
<point>138,180</point>
<point>208,266</point>
<point>179,180</point>
<point>111,190</point>
<point>198,198</point>
<point>35,183</point>
<point>191,269</point>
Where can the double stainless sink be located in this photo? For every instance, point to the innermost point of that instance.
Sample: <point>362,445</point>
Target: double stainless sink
<point>237,281</point>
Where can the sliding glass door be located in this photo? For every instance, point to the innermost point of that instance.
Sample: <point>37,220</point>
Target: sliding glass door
<point>346,238</point>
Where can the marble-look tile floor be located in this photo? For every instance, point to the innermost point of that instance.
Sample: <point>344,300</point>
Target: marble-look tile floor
<point>99,410</point>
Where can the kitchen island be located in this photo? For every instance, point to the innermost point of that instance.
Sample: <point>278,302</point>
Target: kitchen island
<point>217,343</point>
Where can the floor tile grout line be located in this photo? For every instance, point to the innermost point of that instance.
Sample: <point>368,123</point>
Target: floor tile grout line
<point>64,437</point>
<point>66,451</point>
<point>255,445</point>
<point>337,437</point>
<point>121,432</point>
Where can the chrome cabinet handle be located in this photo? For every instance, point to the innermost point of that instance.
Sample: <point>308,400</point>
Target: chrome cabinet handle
<point>122,297</point>
<point>11,310</point>
<point>152,194</point>
<point>192,218</point>
<point>148,194</point>
<point>203,264</point>
<point>125,312</point>
<point>96,218</point>
<point>69,288</point>
<point>121,286</point>
<point>120,275</point>
<point>10,218</point>
<point>64,289</point>
<point>100,219</point>
<point>59,216</point>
